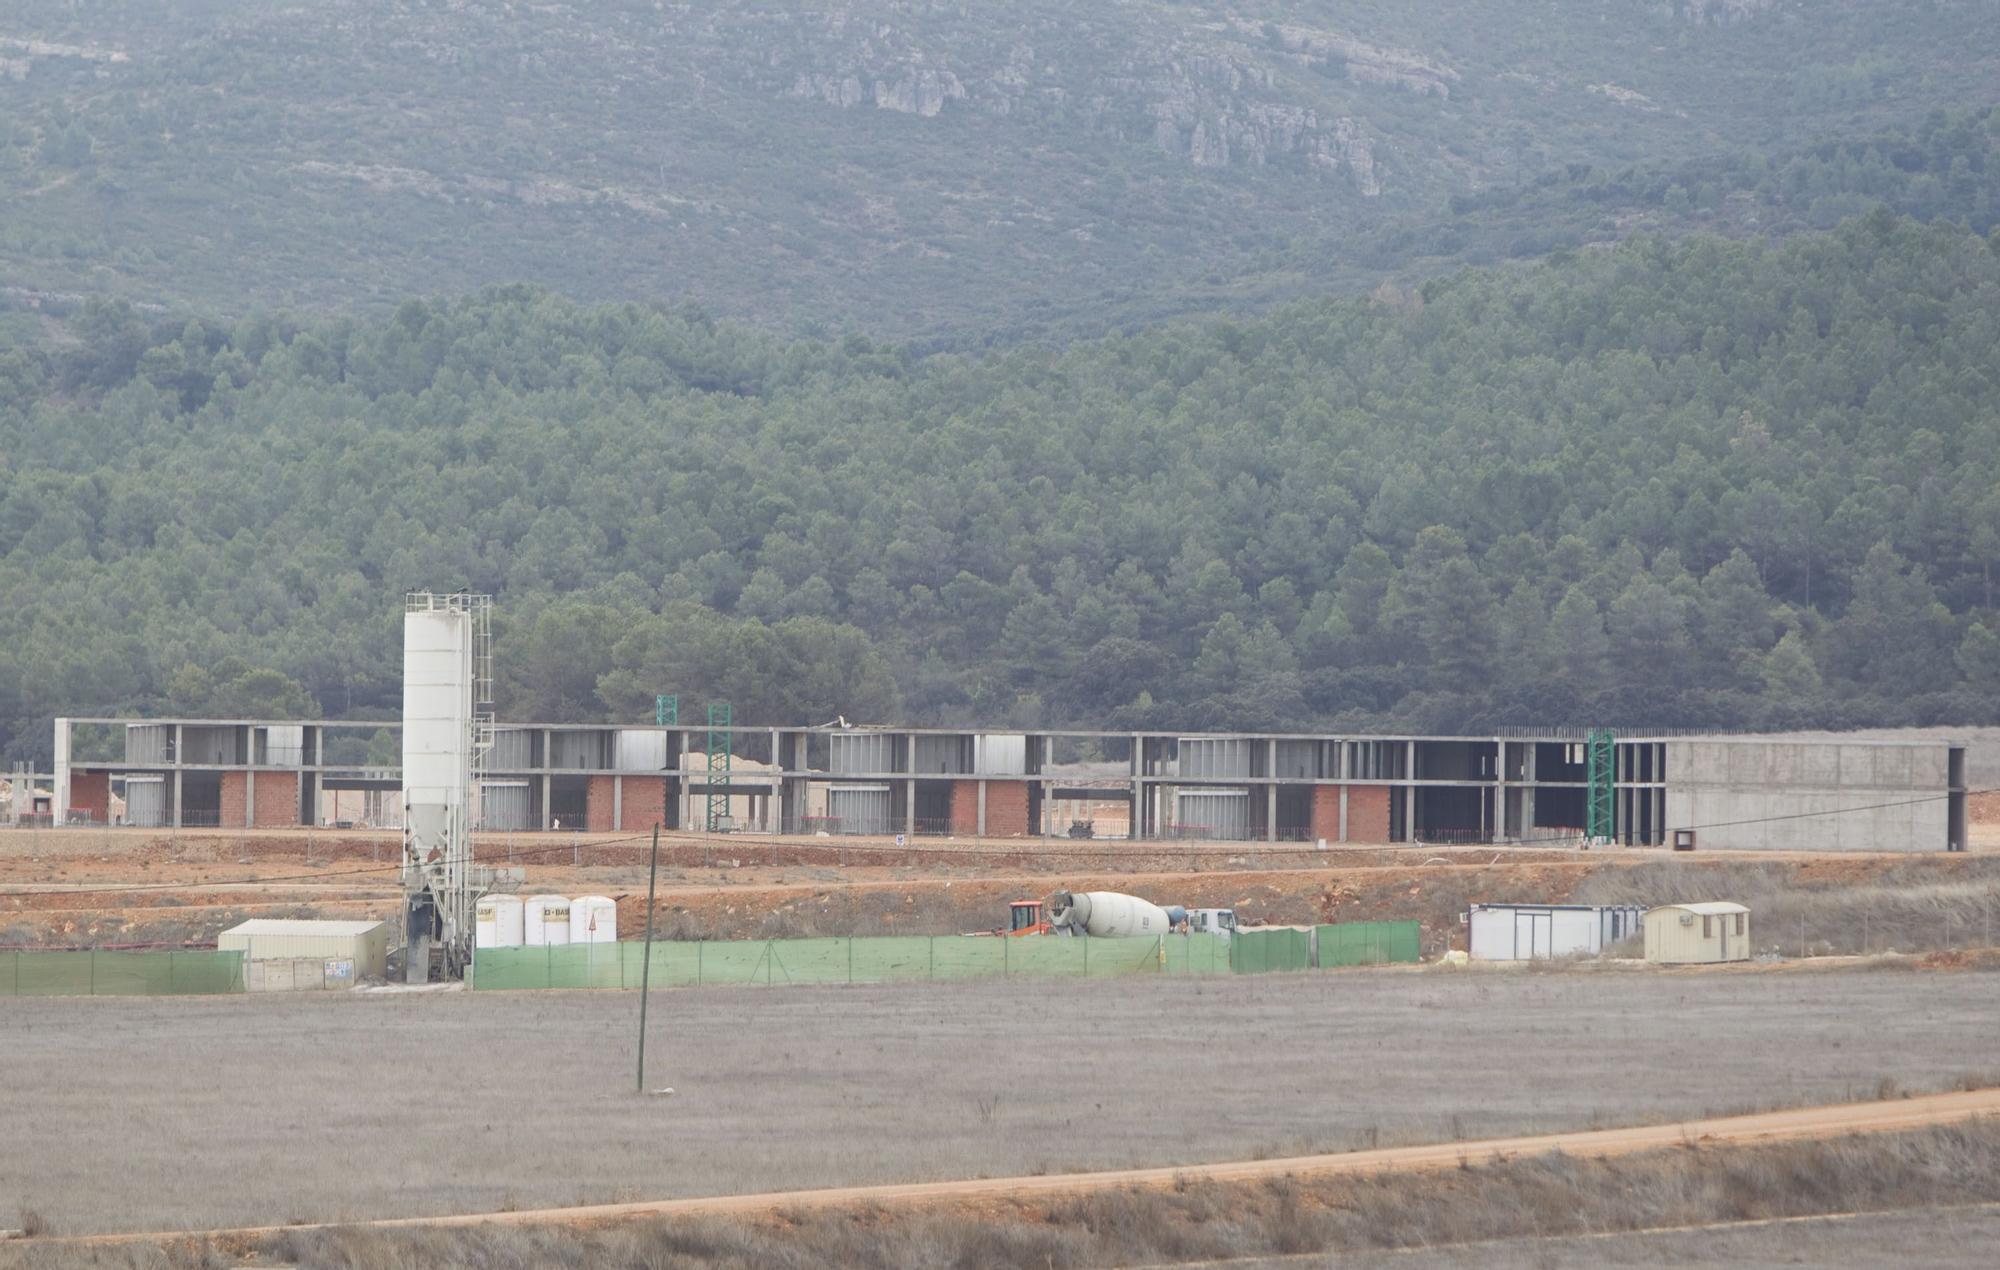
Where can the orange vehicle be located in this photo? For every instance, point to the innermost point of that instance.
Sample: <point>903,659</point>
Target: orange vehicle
<point>1024,917</point>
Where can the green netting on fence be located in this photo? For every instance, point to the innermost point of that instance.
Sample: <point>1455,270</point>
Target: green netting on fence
<point>863,960</point>
<point>1367,943</point>
<point>83,974</point>
<point>1253,952</point>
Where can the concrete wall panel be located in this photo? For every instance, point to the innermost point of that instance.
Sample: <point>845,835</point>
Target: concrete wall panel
<point>1792,796</point>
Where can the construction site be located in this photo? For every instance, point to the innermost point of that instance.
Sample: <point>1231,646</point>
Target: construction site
<point>827,918</point>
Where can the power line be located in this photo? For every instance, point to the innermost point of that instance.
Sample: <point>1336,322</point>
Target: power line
<point>291,877</point>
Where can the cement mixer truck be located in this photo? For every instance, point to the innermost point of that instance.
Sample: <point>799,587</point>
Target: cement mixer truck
<point>1109,914</point>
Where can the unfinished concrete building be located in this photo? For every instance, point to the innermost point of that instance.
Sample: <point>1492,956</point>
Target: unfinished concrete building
<point>1720,793</point>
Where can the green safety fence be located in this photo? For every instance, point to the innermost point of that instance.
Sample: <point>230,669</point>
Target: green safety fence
<point>1254,952</point>
<point>101,974</point>
<point>881,959</point>
<point>1367,943</point>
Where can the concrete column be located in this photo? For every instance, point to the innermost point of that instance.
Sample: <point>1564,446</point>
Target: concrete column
<point>1500,791</point>
<point>1137,829</point>
<point>982,808</point>
<point>1528,791</point>
<point>618,802</point>
<point>548,760</point>
<point>249,798</point>
<point>1409,791</point>
<point>60,811</point>
<point>1343,813</point>
<point>1271,791</point>
<point>774,805</point>
<point>178,752</point>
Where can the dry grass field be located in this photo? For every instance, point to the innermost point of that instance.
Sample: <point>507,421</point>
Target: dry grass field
<point>1952,1239</point>
<point>170,1113</point>
<point>1923,1197</point>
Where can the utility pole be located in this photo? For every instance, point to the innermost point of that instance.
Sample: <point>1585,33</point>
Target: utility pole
<point>646,966</point>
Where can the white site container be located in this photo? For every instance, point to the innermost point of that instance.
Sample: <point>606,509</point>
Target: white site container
<point>500,921</point>
<point>1538,932</point>
<point>593,919</point>
<point>545,920</point>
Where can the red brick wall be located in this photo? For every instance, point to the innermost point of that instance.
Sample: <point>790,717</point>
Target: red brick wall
<point>277,800</point>
<point>1326,812</point>
<point>1367,813</point>
<point>598,802</point>
<point>233,807</point>
<point>1006,808</point>
<point>645,803</point>
<point>90,792</point>
<point>276,804</point>
<point>965,807</point>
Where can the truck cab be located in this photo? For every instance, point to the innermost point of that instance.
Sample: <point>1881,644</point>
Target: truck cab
<point>1220,922</point>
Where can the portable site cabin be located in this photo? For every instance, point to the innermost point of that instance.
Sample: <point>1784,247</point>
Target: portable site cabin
<point>1697,934</point>
<point>364,946</point>
<point>1537,932</point>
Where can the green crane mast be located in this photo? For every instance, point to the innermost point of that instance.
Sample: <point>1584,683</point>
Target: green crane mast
<point>1601,812</point>
<point>719,733</point>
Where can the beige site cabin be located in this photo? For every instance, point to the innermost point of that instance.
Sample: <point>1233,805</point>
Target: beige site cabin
<point>1697,934</point>
<point>364,944</point>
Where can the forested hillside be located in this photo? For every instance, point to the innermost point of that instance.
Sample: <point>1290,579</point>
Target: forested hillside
<point>950,173</point>
<point>1685,481</point>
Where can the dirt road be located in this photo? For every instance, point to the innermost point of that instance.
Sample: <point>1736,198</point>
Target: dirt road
<point>1809,1122</point>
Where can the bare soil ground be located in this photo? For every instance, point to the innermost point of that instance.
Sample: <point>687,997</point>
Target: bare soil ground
<point>52,884</point>
<point>205,1112</point>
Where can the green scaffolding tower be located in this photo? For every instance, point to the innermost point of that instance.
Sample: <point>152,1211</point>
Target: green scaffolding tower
<point>1601,812</point>
<point>719,731</point>
<point>666,711</point>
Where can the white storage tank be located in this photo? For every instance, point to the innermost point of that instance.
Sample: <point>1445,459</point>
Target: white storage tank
<point>501,920</point>
<point>593,919</point>
<point>509,918</point>
<point>545,920</point>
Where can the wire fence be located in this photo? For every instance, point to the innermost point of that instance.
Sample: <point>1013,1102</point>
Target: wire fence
<point>99,974</point>
<point>893,958</point>
<point>862,959</point>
